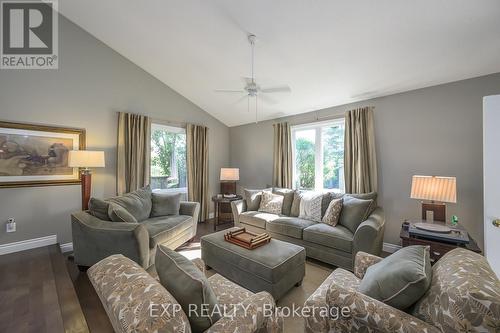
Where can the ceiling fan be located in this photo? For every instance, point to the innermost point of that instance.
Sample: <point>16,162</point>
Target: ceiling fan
<point>254,90</point>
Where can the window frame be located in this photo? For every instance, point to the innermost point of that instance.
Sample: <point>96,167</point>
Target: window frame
<point>318,151</point>
<point>176,130</point>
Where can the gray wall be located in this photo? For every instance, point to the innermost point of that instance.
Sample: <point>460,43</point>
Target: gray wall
<point>93,83</point>
<point>431,131</point>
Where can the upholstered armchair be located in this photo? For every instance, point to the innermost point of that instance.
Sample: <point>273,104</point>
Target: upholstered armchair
<point>136,302</point>
<point>464,296</point>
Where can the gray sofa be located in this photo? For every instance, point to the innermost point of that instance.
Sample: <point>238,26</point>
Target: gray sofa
<point>96,237</point>
<point>334,245</point>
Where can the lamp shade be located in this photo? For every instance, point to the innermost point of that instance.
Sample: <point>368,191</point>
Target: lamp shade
<point>231,174</point>
<point>434,188</point>
<point>86,159</point>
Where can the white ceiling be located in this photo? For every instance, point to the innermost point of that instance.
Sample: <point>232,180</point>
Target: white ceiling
<point>329,52</point>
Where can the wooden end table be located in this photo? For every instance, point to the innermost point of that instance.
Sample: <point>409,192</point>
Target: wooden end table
<point>222,208</point>
<point>438,248</point>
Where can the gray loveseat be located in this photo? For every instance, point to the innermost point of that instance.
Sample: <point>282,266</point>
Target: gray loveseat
<point>336,245</point>
<point>96,236</point>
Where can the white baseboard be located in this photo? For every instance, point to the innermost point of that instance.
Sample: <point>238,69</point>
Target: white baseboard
<point>391,248</point>
<point>27,244</point>
<point>67,247</point>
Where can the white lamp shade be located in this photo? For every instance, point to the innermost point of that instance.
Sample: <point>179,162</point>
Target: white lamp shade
<point>433,188</point>
<point>232,174</point>
<point>86,159</point>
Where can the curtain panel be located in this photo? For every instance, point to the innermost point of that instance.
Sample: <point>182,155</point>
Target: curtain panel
<point>360,160</point>
<point>282,157</point>
<point>197,167</point>
<point>134,152</point>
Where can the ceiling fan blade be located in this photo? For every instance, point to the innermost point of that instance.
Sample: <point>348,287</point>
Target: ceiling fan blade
<point>230,90</point>
<point>283,88</point>
<point>240,100</point>
<point>266,99</point>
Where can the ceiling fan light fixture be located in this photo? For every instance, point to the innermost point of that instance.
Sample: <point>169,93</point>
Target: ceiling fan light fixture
<point>251,88</point>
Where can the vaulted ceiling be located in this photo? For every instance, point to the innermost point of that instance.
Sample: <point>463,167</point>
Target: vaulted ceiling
<point>329,52</point>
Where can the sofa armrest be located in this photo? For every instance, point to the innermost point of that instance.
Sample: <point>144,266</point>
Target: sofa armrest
<point>190,208</point>
<point>238,207</point>
<point>95,239</point>
<point>257,313</point>
<point>369,235</point>
<point>362,261</point>
<point>363,313</point>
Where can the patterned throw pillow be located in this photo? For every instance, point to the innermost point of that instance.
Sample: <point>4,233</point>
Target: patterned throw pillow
<point>310,206</point>
<point>332,213</point>
<point>271,203</point>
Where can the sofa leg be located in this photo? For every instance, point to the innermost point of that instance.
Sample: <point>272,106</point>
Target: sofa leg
<point>298,284</point>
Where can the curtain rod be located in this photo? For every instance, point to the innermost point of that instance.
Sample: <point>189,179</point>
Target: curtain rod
<point>326,117</point>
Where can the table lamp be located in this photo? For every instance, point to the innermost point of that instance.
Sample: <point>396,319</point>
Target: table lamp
<point>437,190</point>
<point>228,179</point>
<point>86,159</point>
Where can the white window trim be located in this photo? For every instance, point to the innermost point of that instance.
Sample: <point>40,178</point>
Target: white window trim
<point>173,129</point>
<point>318,156</point>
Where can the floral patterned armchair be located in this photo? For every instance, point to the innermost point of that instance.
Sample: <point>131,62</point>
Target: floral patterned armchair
<point>464,296</point>
<point>127,291</point>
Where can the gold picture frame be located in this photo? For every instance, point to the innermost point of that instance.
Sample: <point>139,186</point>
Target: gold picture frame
<point>36,155</point>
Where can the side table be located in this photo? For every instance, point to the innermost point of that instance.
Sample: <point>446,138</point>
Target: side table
<point>438,248</point>
<point>222,203</point>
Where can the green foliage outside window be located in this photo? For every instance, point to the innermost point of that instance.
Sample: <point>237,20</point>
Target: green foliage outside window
<point>333,156</point>
<point>333,159</point>
<point>305,163</point>
<point>168,159</point>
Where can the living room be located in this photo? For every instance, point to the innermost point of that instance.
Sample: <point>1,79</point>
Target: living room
<point>387,109</point>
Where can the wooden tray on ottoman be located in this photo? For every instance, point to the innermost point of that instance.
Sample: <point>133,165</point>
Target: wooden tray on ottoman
<point>247,239</point>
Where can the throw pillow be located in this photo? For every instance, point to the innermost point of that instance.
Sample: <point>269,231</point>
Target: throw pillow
<point>137,203</point>
<point>401,279</point>
<point>295,209</point>
<point>99,208</point>
<point>354,212</point>
<point>189,286</point>
<point>252,199</point>
<point>310,206</point>
<point>287,199</point>
<point>119,214</point>
<point>271,203</point>
<point>366,196</point>
<point>164,204</point>
<point>332,213</point>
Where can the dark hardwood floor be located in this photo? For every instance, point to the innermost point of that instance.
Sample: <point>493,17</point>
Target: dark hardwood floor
<point>37,294</point>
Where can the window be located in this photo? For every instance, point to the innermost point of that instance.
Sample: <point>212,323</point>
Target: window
<point>318,156</point>
<point>168,158</point>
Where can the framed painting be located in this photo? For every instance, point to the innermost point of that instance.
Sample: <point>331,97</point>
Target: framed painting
<point>36,155</point>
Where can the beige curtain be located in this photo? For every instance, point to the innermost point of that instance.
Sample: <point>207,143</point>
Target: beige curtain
<point>360,160</point>
<point>134,152</point>
<point>282,159</point>
<point>197,163</point>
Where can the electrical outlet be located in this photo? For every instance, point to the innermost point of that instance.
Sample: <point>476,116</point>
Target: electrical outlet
<point>11,225</point>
